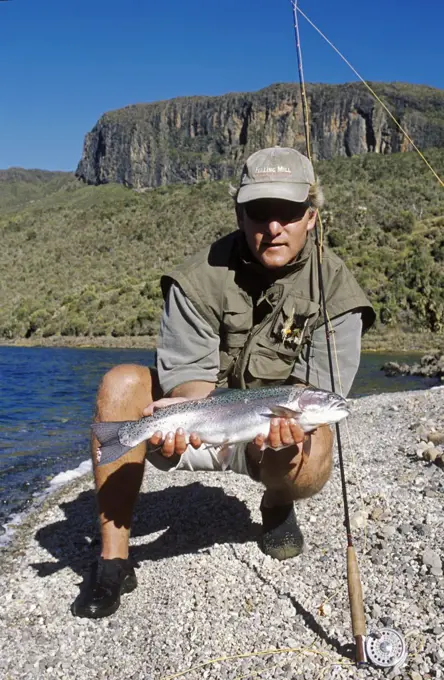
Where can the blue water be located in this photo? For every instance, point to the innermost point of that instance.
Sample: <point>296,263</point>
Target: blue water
<point>47,400</point>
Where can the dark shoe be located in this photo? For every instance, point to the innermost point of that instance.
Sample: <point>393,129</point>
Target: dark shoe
<point>281,536</point>
<point>100,596</point>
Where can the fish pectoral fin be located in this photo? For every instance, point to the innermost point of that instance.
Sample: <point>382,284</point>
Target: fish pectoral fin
<point>224,455</point>
<point>284,412</point>
<point>206,445</point>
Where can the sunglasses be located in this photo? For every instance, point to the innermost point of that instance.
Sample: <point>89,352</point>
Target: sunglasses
<point>266,210</point>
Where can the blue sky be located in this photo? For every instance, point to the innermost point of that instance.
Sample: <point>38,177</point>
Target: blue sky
<point>65,62</point>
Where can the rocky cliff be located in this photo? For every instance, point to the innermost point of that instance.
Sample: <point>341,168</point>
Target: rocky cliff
<point>193,138</point>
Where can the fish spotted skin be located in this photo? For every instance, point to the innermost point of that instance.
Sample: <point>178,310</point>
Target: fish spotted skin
<point>228,417</point>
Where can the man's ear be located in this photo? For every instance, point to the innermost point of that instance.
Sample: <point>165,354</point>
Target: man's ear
<point>312,219</point>
<point>239,216</point>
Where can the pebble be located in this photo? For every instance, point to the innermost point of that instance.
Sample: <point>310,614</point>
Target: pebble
<point>431,454</point>
<point>358,519</point>
<point>422,431</point>
<point>431,558</point>
<point>376,611</point>
<point>377,513</point>
<point>436,437</point>
<point>387,621</point>
<point>387,532</point>
<point>429,493</point>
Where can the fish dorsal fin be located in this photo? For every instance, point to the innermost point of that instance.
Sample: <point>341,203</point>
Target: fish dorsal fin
<point>284,412</point>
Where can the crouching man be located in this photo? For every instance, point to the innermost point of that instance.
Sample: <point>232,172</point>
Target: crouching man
<point>245,312</point>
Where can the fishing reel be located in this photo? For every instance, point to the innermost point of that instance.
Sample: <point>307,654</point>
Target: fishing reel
<point>386,648</point>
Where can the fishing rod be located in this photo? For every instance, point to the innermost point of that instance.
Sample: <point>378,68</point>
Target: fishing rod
<point>385,647</point>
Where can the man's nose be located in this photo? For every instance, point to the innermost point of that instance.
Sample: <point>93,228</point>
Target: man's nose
<point>274,228</point>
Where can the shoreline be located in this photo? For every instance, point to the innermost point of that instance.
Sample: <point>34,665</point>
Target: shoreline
<point>215,594</point>
<point>105,342</point>
<point>387,341</point>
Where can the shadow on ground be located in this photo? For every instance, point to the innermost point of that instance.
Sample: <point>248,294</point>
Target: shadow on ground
<point>192,517</point>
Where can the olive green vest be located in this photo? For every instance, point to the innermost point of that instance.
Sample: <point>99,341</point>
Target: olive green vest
<point>264,317</point>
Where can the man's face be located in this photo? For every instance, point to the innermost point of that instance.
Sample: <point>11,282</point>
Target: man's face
<point>276,230</point>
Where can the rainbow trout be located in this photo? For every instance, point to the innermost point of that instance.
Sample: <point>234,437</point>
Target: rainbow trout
<point>224,417</point>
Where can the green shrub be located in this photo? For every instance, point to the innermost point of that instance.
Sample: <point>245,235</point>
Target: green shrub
<point>402,223</point>
<point>75,325</point>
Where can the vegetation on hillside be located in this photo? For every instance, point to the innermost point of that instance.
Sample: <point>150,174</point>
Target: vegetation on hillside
<point>85,261</point>
<point>18,187</point>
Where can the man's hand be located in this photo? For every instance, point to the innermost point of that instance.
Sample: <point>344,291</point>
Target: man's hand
<point>283,433</point>
<point>174,442</point>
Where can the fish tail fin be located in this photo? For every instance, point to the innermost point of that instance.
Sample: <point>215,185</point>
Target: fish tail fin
<point>110,448</point>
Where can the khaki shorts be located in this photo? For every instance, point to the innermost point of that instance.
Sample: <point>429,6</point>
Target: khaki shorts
<point>204,459</point>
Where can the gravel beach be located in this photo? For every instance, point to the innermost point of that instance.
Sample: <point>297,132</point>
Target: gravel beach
<point>207,592</point>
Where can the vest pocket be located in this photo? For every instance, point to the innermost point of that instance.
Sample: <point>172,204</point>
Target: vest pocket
<point>235,327</point>
<point>237,315</point>
<point>270,366</point>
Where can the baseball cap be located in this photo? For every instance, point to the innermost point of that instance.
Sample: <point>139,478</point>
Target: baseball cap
<point>277,172</point>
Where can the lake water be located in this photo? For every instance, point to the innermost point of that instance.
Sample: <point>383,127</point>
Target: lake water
<point>46,405</point>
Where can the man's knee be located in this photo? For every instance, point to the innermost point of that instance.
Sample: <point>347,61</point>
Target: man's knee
<point>305,474</point>
<point>316,464</point>
<point>124,377</point>
<point>127,384</point>
<point>314,477</point>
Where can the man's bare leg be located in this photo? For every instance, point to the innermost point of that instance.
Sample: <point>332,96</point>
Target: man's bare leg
<point>291,474</point>
<point>297,472</point>
<point>123,394</point>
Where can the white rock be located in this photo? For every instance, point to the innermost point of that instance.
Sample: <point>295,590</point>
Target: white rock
<point>431,558</point>
<point>358,519</point>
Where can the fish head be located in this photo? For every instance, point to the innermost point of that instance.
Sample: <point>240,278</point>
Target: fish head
<point>320,407</point>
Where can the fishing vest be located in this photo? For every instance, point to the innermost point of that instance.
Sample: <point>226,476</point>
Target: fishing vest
<point>263,317</point>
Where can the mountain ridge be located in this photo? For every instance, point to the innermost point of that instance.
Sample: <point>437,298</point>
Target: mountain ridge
<point>193,138</point>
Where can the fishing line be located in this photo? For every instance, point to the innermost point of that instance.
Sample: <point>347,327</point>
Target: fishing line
<point>297,9</point>
<point>384,648</point>
<point>264,652</point>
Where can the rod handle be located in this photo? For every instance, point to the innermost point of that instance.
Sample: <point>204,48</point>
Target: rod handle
<point>355,594</point>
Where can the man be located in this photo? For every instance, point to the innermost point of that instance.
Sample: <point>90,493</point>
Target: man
<point>243,313</point>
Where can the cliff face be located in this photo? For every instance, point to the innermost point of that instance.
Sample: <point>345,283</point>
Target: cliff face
<point>193,138</point>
